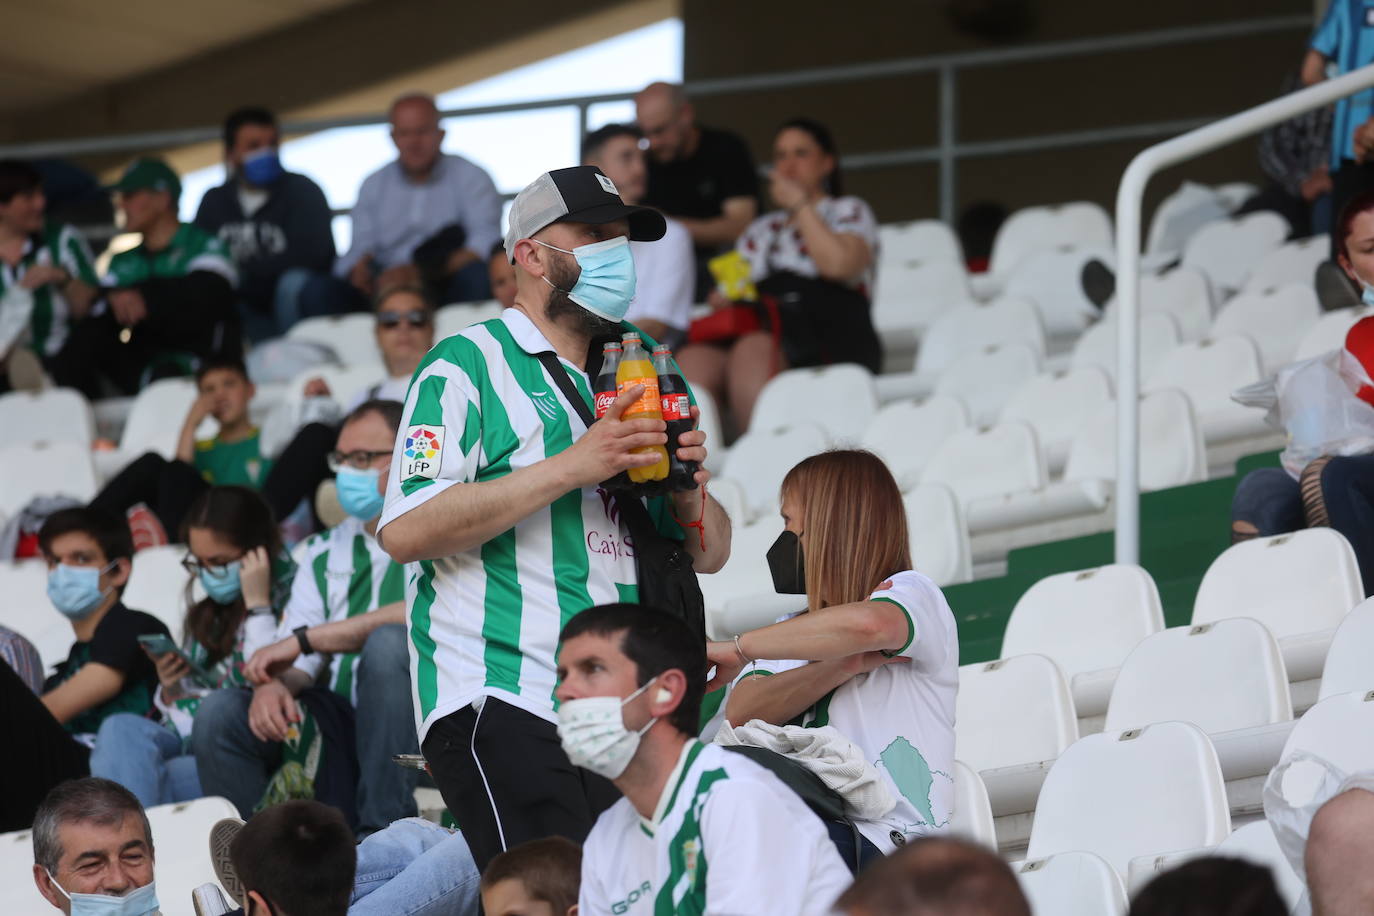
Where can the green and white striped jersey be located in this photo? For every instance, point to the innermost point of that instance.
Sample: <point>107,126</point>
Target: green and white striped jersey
<point>56,245</point>
<point>485,622</point>
<point>191,249</point>
<point>342,573</point>
<point>728,837</point>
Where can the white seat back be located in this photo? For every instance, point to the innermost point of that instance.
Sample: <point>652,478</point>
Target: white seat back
<point>906,433</point>
<point>1058,406</point>
<point>972,814</point>
<point>1350,659</point>
<point>1012,711</point>
<point>156,416</point>
<point>841,399</point>
<point>1072,884</point>
<point>939,536</point>
<point>744,574</point>
<point>759,460</point>
<point>1274,318</point>
<point>158,585</point>
<point>1172,451</point>
<point>27,610</point>
<point>1329,332</point>
<point>971,327</point>
<point>709,423</point>
<point>1340,730</point>
<point>1208,371</point>
<point>730,495</point>
<point>450,319</point>
<point>1085,620</point>
<point>1180,215</point>
<point>988,462</point>
<point>1184,293</point>
<point>910,294</point>
<point>18,893</point>
<point>986,379</point>
<point>924,240</point>
<point>1127,794</point>
<point>1053,280</point>
<point>1097,346</point>
<point>1227,251</point>
<point>352,337</point>
<point>1255,843</point>
<point>61,416</point>
<point>1219,676</point>
<point>45,469</point>
<point>1300,582</point>
<point>1033,229</point>
<point>1292,262</point>
<point>181,835</point>
<point>345,384</point>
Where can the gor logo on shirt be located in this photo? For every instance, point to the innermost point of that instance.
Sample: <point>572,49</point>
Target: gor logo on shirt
<point>423,453</point>
<point>623,906</point>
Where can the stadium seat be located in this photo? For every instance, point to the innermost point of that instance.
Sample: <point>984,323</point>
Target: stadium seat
<point>1053,280</point>
<point>1208,371</point>
<point>730,495</point>
<point>1032,229</point>
<point>60,416</point>
<point>346,384</point>
<point>1171,444</point>
<point>1072,884</point>
<point>760,459</point>
<point>1012,711</point>
<point>1329,332</point>
<point>840,399</point>
<point>181,835</point>
<point>1220,676</point>
<point>987,464</point>
<point>24,583</point>
<point>450,319</point>
<point>910,295</point>
<point>924,240</point>
<point>1227,251</point>
<point>352,337</point>
<point>1139,792</point>
<point>44,469</point>
<point>1236,193</point>
<point>1339,730</point>
<point>1349,662</point>
<point>1275,318</point>
<point>1087,622</point>
<point>1057,406</point>
<point>1180,215</point>
<point>1293,262</point>
<point>906,433</point>
<point>158,585</point>
<point>939,537</point>
<point>1255,843</point>
<point>1097,347</point>
<point>972,814</point>
<point>986,379</point>
<point>156,416</point>
<point>1183,293</point>
<point>745,575</point>
<point>709,423</point>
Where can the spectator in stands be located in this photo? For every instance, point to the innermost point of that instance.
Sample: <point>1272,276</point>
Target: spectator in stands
<point>237,558</point>
<point>91,839</point>
<point>702,176</point>
<point>538,878</point>
<point>429,208</point>
<point>22,657</point>
<point>631,681</point>
<point>169,302</point>
<point>45,269</point>
<point>485,485</point>
<point>293,859</point>
<point>277,226</point>
<point>502,275</point>
<point>877,654</point>
<point>1295,156</point>
<point>936,876</point>
<point>665,274</point>
<point>89,558</point>
<point>1213,886</point>
<point>1338,854</point>
<point>815,256</point>
<point>977,228</point>
<point>1341,43</point>
<point>347,603</point>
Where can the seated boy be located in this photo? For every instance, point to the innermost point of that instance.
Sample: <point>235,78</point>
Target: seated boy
<point>294,858</point>
<point>538,878</point>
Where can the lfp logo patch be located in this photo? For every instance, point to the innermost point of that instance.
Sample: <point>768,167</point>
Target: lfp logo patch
<point>423,452</point>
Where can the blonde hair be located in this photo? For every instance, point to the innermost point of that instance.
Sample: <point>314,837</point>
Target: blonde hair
<point>854,523</point>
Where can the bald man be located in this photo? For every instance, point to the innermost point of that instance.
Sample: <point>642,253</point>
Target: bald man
<point>440,204</point>
<point>936,876</point>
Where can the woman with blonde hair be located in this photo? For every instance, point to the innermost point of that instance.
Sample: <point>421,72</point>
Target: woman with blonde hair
<point>876,653</point>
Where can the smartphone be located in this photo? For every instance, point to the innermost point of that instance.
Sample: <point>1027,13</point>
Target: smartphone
<point>409,761</point>
<point>161,644</point>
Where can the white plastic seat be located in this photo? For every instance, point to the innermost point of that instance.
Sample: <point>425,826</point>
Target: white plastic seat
<point>1227,251</point>
<point>1350,660</point>
<point>924,240</point>
<point>156,416</point>
<point>986,379</point>
<point>906,433</point>
<point>158,585</point>
<point>1184,293</point>
<point>1097,347</point>
<point>1145,791</point>
<point>745,574</point>
<point>1057,406</point>
<point>1180,215</point>
<point>1255,843</point>
<point>1172,452</point>
<point>1274,318</point>
<point>730,495</point>
<point>972,814</point>
<point>1219,676</point>
<point>1236,193</point>
<point>1340,730</point>
<point>840,399</point>
<point>345,384</point>
<point>1012,711</point>
<point>1208,371</point>
<point>939,537</point>
<point>1087,622</point>
<point>450,319</point>
<point>910,295</point>
<point>24,583</point>
<point>709,423</point>
<point>759,460</point>
<point>181,834</point>
<point>61,416</point>
<point>352,337</point>
<point>1072,884</point>
<point>44,469</point>
<point>1032,229</point>
<point>1329,332</point>
<point>1053,280</point>
<point>1292,262</point>
<point>988,463</point>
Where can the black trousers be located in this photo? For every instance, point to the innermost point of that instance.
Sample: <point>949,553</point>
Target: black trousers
<point>43,756</point>
<point>301,467</point>
<point>504,776</point>
<point>166,487</point>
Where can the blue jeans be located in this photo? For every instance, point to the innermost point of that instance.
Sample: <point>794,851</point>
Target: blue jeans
<point>414,867</point>
<point>146,758</point>
<point>1270,500</point>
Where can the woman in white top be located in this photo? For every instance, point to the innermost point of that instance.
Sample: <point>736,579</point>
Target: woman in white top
<point>876,655</point>
<point>815,256</point>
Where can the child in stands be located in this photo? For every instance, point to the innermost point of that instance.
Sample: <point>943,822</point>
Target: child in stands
<point>538,878</point>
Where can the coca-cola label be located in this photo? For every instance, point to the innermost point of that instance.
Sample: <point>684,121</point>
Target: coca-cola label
<point>604,400</point>
<point>676,407</point>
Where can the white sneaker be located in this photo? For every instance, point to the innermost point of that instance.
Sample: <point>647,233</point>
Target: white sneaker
<point>209,900</point>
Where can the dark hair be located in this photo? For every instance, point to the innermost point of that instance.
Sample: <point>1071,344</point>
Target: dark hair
<point>834,184</point>
<point>978,225</point>
<point>498,249</point>
<point>221,361</point>
<point>387,292</point>
<point>593,143</point>
<point>18,178</point>
<point>1211,886</point>
<point>390,411</point>
<point>111,533</point>
<point>1358,204</point>
<point>242,517</point>
<point>300,856</point>
<point>655,642</point>
<point>92,799</point>
<point>251,114</point>
<point>940,875</point>
<point>550,870</point>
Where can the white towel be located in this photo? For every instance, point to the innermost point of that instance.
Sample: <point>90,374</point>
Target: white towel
<point>827,753</point>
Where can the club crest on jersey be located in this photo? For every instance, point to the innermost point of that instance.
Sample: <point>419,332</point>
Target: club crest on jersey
<point>423,452</point>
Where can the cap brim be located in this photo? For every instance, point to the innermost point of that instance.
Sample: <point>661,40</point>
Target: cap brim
<point>646,223</point>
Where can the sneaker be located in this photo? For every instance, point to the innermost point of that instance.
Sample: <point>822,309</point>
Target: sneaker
<point>145,527</point>
<point>221,836</point>
<point>208,900</point>
<point>25,370</point>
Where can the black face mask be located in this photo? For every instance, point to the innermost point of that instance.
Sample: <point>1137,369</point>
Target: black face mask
<point>788,566</point>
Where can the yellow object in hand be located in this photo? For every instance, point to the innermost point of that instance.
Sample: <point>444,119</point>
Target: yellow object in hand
<point>731,272</point>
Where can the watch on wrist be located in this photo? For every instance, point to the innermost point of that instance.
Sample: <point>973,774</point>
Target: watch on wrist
<point>306,648</point>
<point>259,609</point>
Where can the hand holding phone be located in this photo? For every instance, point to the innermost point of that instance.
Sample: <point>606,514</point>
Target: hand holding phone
<point>173,664</point>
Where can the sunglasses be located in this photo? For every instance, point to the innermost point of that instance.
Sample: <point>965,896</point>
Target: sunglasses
<point>416,319</point>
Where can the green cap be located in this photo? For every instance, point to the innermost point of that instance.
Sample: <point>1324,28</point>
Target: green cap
<point>148,175</point>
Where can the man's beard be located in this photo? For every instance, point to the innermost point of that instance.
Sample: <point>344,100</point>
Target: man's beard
<point>562,278</point>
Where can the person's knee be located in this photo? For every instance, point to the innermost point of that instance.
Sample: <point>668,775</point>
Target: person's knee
<point>221,712</point>
<point>386,648</point>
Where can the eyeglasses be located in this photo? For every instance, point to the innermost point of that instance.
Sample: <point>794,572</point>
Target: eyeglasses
<point>194,566</point>
<point>360,460</point>
<point>416,319</point>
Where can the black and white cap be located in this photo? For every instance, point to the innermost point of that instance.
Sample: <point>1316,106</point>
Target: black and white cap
<point>580,194</point>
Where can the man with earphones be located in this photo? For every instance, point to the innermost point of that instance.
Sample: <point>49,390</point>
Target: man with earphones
<point>700,829</point>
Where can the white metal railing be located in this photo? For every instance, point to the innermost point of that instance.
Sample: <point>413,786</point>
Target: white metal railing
<point>1128,218</point>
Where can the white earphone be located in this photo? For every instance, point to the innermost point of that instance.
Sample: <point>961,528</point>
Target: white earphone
<point>663,695</point>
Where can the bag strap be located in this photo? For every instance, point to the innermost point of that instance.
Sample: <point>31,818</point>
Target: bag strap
<point>549,359</point>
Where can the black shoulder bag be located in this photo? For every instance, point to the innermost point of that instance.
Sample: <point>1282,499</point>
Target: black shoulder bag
<point>667,579</point>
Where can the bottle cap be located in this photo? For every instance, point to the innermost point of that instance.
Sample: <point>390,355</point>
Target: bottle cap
<point>629,336</point>
<point>661,348</point>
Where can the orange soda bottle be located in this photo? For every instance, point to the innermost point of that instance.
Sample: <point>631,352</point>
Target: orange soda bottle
<point>637,369</point>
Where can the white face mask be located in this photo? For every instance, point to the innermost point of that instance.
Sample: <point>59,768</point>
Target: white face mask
<point>594,735</point>
<point>141,901</point>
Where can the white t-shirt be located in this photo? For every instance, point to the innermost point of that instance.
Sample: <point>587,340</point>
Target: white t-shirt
<point>665,278</point>
<point>728,838</point>
<point>770,245</point>
<point>901,715</point>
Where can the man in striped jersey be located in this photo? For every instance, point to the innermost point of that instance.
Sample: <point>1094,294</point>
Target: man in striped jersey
<point>495,498</point>
<point>701,829</point>
<point>345,616</point>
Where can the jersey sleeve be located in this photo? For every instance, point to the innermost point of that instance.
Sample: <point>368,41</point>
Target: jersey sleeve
<point>1328,37</point>
<point>306,607</point>
<point>928,617</point>
<point>76,256</point>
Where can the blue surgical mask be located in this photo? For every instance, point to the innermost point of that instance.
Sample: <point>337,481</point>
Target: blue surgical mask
<point>358,492</point>
<point>140,901</point>
<point>222,584</point>
<point>75,590</point>
<point>1367,294</point>
<point>262,167</point>
<point>607,282</point>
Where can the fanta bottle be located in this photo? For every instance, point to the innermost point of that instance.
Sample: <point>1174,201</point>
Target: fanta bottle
<point>637,369</point>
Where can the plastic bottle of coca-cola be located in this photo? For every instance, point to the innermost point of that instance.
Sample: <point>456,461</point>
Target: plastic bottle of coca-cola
<point>677,413</point>
<point>605,380</point>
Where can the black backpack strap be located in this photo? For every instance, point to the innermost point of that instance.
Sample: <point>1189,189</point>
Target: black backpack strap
<point>565,384</point>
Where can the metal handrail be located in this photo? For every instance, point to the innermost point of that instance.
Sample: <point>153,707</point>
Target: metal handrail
<point>1129,198</point>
